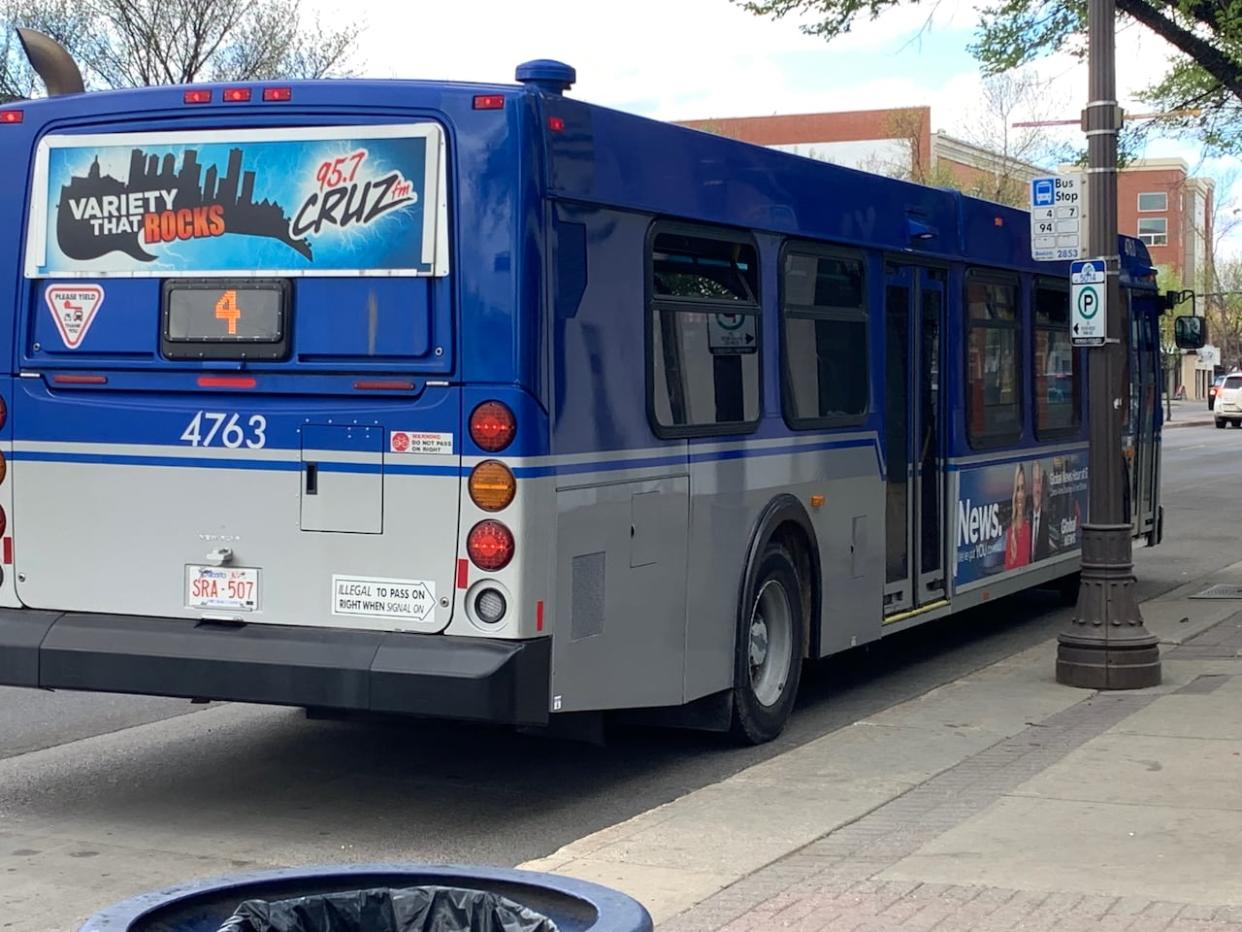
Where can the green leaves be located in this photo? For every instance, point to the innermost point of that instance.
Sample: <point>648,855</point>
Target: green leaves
<point>1207,35</point>
<point>1013,33</point>
<point>832,17</point>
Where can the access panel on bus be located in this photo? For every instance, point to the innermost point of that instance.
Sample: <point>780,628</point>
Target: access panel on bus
<point>227,341</point>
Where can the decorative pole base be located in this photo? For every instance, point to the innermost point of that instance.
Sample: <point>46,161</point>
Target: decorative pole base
<point>1106,646</point>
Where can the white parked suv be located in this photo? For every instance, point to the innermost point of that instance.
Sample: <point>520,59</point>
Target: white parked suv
<point>1228,405</point>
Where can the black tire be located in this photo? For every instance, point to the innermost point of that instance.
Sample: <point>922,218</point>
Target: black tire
<point>1220,424</point>
<point>1237,423</point>
<point>775,583</point>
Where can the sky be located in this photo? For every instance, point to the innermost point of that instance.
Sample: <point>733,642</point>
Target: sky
<point>699,59</point>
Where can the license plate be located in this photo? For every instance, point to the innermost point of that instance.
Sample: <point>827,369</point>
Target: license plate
<point>222,588</point>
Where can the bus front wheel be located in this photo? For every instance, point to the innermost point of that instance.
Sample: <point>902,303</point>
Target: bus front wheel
<point>771,643</point>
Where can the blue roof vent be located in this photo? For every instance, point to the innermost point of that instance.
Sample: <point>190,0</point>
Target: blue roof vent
<point>550,76</point>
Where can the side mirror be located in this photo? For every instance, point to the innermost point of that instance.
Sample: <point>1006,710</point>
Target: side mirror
<point>1189,332</point>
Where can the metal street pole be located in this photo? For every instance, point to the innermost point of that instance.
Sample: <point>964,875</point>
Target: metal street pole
<point>1106,645</point>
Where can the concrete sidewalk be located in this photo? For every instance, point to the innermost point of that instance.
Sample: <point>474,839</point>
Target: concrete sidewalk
<point>1190,414</point>
<point>1000,801</point>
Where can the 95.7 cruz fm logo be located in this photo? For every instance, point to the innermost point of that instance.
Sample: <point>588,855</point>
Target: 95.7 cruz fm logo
<point>361,199</point>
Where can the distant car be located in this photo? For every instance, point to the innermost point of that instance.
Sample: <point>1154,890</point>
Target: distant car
<point>1213,390</point>
<point>1229,401</point>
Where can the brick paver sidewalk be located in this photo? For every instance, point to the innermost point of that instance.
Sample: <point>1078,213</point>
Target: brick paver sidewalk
<point>868,906</point>
<point>833,884</point>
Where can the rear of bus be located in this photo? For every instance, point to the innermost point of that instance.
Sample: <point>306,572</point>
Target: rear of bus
<point>261,338</point>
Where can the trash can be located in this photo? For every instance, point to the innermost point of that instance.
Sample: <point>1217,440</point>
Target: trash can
<point>478,899</point>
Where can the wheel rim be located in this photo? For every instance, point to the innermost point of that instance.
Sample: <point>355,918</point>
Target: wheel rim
<point>770,643</point>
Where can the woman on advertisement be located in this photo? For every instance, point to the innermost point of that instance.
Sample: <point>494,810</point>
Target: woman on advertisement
<point>1018,537</point>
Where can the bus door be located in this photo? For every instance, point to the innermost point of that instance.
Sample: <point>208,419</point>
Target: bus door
<point>1142,440</point>
<point>914,315</point>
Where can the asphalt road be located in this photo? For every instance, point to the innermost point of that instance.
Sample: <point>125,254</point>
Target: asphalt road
<point>81,774</point>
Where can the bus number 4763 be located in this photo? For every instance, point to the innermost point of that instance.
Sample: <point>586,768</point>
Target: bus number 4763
<point>225,429</point>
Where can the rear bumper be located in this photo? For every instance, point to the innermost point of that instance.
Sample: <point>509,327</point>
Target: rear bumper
<point>332,668</point>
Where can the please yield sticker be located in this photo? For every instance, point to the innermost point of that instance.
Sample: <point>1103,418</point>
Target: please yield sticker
<point>73,308</point>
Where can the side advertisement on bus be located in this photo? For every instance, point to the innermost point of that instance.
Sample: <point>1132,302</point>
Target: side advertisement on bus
<point>342,200</point>
<point>1011,515</point>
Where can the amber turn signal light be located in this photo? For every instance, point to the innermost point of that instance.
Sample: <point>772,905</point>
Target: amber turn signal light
<point>492,485</point>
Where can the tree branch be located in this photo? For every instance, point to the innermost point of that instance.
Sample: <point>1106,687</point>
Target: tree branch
<point>1208,13</point>
<point>1214,61</point>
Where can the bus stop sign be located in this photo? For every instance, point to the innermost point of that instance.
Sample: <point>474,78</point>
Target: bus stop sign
<point>1057,217</point>
<point>1089,310</point>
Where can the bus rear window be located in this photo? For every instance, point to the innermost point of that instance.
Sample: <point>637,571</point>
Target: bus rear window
<point>274,203</point>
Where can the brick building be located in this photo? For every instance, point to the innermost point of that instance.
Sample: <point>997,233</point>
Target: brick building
<point>1161,203</point>
<point>893,142</point>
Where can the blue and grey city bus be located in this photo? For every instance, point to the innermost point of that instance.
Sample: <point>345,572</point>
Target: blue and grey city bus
<point>482,402</point>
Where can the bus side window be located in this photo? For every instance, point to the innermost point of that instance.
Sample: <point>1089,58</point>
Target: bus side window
<point>704,335</point>
<point>824,338</point>
<point>1057,381</point>
<point>993,363</point>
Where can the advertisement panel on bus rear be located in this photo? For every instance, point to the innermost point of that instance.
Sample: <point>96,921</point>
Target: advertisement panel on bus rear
<point>1011,515</point>
<point>314,201</point>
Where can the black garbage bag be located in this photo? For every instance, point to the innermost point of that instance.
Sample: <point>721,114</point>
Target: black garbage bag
<point>416,909</point>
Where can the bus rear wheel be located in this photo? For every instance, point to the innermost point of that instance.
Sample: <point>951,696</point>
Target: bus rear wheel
<point>771,643</point>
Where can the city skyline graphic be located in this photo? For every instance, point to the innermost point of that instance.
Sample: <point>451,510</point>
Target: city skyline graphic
<point>192,187</point>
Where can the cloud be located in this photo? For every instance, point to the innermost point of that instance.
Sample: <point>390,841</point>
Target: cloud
<point>684,59</point>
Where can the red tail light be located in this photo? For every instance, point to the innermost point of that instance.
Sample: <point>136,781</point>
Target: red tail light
<point>277,94</point>
<point>384,385</point>
<point>227,381</point>
<point>489,102</point>
<point>197,97</point>
<point>236,95</point>
<point>490,545</point>
<point>10,116</point>
<point>492,426</point>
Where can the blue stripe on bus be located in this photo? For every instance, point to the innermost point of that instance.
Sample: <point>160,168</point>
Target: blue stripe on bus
<point>785,450</point>
<point>649,462</point>
<point>116,459</point>
<point>124,459</point>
